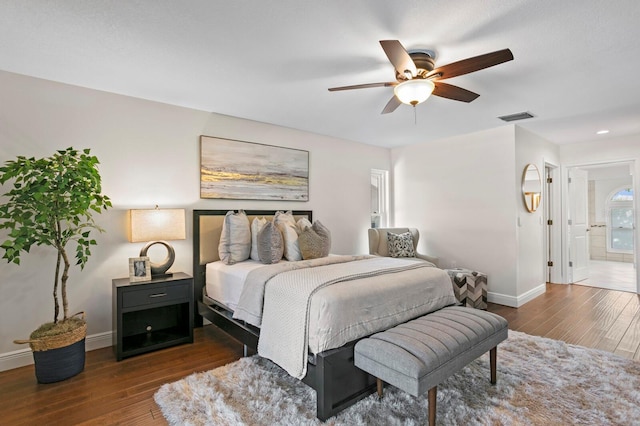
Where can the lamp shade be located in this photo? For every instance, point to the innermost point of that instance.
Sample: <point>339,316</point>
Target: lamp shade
<point>413,92</point>
<point>156,224</point>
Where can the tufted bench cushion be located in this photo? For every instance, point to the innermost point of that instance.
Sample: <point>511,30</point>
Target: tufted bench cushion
<point>418,355</point>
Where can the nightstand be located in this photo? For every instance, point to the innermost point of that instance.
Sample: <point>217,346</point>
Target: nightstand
<point>152,315</point>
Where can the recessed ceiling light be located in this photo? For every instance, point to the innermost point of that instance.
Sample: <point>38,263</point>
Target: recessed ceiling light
<point>602,132</point>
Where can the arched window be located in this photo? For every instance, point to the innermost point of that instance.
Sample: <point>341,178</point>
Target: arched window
<point>620,221</point>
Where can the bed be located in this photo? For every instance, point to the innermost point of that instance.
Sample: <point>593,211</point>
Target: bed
<point>328,362</point>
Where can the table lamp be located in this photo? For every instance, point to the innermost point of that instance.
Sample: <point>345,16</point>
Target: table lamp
<point>156,226</point>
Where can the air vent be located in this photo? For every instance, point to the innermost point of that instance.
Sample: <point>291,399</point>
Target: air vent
<point>515,117</point>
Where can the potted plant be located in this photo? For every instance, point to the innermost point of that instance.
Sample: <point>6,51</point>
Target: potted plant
<point>52,203</point>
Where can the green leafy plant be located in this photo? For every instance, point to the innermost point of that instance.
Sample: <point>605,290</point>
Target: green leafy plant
<point>52,203</point>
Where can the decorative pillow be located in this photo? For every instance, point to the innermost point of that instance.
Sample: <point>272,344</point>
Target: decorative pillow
<point>315,241</point>
<point>400,245</point>
<point>302,224</point>
<point>287,225</point>
<point>256,226</point>
<point>235,240</point>
<point>270,244</point>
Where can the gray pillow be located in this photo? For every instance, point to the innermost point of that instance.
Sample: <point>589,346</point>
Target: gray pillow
<point>235,240</point>
<point>315,241</point>
<point>286,223</point>
<point>270,244</point>
<point>256,226</point>
<point>400,245</point>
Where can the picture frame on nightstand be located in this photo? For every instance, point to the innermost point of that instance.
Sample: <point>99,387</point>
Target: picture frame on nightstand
<point>139,269</point>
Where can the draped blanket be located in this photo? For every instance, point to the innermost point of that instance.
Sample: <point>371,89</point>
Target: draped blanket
<point>286,291</point>
<point>251,299</point>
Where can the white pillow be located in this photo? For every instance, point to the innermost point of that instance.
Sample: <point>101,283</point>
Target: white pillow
<point>235,240</point>
<point>287,226</point>
<point>303,224</point>
<point>256,226</point>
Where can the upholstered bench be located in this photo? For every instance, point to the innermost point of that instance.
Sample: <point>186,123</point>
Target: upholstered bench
<point>418,355</point>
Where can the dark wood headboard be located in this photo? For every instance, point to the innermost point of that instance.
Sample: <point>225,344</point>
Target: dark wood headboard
<point>207,228</point>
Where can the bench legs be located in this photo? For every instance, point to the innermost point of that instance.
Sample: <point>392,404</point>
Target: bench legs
<point>432,405</point>
<point>493,355</point>
<point>433,392</point>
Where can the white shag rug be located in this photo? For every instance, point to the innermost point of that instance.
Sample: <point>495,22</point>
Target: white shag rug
<point>540,382</point>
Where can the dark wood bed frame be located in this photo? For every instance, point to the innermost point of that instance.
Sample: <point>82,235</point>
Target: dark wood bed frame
<point>337,381</point>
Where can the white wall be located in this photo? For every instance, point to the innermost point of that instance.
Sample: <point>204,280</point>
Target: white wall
<point>464,194</point>
<point>459,192</point>
<point>532,259</point>
<point>149,155</point>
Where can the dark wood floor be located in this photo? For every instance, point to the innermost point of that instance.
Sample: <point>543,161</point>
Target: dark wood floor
<point>110,392</point>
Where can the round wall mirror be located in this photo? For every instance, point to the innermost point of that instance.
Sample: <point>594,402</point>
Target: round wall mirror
<point>531,187</point>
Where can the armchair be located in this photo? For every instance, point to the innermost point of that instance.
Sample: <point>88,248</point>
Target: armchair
<point>378,242</point>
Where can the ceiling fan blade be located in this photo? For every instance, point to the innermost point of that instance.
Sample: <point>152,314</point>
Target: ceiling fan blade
<point>456,93</point>
<point>399,57</point>
<point>363,86</point>
<point>391,105</point>
<point>472,64</point>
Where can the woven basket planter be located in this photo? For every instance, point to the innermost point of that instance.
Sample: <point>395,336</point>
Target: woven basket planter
<point>59,357</point>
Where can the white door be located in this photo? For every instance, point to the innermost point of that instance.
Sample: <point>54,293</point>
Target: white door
<point>578,224</point>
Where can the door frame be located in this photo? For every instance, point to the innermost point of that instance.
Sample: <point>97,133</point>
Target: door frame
<point>553,212</point>
<point>565,216</point>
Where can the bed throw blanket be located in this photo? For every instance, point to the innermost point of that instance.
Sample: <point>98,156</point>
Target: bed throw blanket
<point>251,299</point>
<point>284,332</point>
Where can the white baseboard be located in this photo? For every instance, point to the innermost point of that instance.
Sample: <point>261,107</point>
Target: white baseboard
<point>516,301</point>
<point>531,294</point>
<point>22,357</point>
<point>15,359</point>
<point>99,341</point>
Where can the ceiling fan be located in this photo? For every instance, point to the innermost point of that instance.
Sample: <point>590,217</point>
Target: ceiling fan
<point>417,78</point>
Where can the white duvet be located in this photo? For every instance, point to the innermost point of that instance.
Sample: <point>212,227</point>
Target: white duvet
<point>334,300</point>
<point>224,283</point>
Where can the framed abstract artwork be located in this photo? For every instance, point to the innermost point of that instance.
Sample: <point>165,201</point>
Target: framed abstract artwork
<point>251,171</point>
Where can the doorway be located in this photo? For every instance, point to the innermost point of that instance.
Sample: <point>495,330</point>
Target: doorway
<point>601,228</point>
<point>379,198</point>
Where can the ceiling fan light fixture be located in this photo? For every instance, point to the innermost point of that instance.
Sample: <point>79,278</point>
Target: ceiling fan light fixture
<point>414,92</point>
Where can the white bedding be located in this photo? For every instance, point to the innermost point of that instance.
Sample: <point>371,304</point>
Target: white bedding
<point>408,289</point>
<point>349,310</point>
<point>224,282</point>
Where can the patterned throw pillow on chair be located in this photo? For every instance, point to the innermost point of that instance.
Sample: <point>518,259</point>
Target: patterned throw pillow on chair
<point>400,245</point>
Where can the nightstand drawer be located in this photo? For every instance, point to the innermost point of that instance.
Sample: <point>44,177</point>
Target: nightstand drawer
<point>152,315</point>
<point>155,294</point>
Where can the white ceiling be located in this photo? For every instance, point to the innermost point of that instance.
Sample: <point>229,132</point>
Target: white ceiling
<point>575,68</point>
